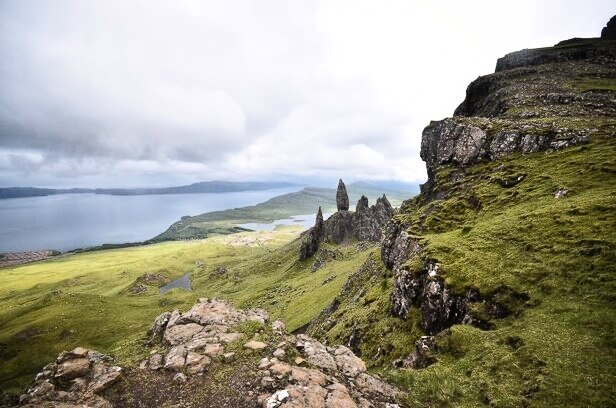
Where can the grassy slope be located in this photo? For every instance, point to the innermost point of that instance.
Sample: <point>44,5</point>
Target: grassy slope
<point>84,299</point>
<point>559,350</point>
<point>305,201</point>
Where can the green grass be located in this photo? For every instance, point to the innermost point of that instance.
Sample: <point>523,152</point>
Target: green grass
<point>595,84</point>
<point>83,299</point>
<point>561,253</point>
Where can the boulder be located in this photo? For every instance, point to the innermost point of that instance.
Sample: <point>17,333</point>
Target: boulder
<point>316,353</point>
<point>338,379</point>
<point>279,328</point>
<point>158,327</point>
<point>71,369</point>
<point>347,362</point>
<point>176,358</point>
<point>181,333</point>
<point>196,363</point>
<point>79,375</point>
<point>423,355</point>
<point>255,345</point>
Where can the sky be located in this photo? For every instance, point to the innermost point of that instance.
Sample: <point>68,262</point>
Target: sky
<point>157,93</point>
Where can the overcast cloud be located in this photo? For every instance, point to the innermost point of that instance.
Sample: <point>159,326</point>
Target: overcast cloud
<point>133,93</point>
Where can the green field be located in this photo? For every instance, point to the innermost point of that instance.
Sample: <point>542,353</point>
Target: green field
<point>86,299</point>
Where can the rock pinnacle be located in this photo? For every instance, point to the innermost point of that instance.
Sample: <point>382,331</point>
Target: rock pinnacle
<point>342,198</point>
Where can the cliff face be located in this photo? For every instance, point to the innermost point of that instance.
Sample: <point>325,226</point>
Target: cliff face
<point>540,100</point>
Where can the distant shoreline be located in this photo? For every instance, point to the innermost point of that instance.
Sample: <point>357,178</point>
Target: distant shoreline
<point>195,188</point>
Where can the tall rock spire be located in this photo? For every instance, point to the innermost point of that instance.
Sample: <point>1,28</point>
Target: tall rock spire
<point>318,225</point>
<point>342,198</point>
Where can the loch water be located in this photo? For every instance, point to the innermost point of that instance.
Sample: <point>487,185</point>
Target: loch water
<point>69,221</point>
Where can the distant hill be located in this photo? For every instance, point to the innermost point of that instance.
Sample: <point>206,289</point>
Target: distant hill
<point>195,188</point>
<point>198,188</point>
<point>305,201</point>
<point>21,192</point>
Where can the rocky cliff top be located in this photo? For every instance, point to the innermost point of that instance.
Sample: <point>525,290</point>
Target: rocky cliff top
<point>537,100</point>
<point>609,31</point>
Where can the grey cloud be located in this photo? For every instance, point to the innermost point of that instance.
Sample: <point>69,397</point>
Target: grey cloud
<point>189,90</point>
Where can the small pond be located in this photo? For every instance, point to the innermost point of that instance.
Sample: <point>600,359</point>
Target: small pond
<point>182,282</point>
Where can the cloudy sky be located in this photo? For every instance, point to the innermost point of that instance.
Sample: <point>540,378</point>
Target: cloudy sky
<point>150,93</point>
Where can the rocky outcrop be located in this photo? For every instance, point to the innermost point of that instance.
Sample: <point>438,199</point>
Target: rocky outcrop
<point>193,338</point>
<point>338,228</point>
<point>342,198</point>
<point>609,31</point>
<point>422,288</point>
<point>423,356</point>
<point>75,379</point>
<point>417,283</point>
<point>312,238</point>
<point>397,246</point>
<point>587,49</point>
<point>464,142</point>
<point>527,106</point>
<point>295,371</point>
<point>336,375</point>
<point>365,224</point>
<point>335,378</point>
<point>382,211</point>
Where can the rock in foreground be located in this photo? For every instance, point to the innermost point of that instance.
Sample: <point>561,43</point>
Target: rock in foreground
<point>191,365</point>
<point>74,380</point>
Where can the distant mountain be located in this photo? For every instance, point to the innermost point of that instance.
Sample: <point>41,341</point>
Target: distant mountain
<point>202,187</point>
<point>21,192</point>
<point>386,185</point>
<point>195,188</point>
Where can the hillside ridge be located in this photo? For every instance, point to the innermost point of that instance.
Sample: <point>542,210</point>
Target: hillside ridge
<point>482,258</point>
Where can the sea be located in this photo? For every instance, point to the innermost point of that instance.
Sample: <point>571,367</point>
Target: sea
<point>70,221</point>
